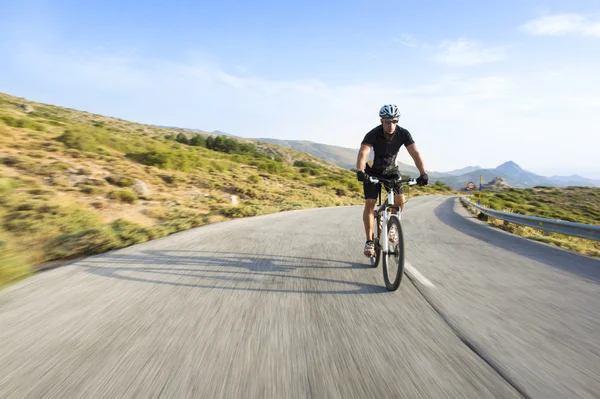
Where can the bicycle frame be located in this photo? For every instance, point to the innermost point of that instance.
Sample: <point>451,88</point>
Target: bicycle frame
<point>384,209</point>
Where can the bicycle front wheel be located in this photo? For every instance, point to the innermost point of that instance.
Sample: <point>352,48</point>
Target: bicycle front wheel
<point>393,261</point>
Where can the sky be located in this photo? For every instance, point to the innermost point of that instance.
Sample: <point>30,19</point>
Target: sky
<point>478,83</point>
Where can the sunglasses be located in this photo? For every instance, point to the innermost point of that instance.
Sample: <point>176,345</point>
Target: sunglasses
<point>390,121</point>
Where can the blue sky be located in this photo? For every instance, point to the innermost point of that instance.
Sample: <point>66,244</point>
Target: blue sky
<point>479,83</point>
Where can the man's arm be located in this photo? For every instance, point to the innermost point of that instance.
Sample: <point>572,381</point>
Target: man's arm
<point>416,156</point>
<point>363,153</point>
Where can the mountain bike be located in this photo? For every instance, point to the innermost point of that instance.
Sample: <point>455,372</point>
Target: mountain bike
<point>388,237</point>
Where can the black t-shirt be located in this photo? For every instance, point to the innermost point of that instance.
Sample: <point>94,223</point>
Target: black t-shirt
<point>386,149</point>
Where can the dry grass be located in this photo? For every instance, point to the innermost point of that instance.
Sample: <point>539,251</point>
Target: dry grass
<point>67,183</point>
<point>576,244</point>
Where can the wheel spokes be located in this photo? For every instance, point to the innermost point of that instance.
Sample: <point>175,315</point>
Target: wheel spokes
<point>393,253</point>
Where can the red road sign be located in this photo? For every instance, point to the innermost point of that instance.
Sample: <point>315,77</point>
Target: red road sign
<point>470,185</point>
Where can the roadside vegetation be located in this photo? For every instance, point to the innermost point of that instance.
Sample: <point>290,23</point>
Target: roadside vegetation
<point>74,183</point>
<point>573,204</point>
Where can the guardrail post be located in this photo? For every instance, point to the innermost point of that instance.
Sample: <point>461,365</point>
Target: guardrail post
<point>480,188</point>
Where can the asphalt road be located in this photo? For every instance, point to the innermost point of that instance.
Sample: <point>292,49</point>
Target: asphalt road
<point>285,305</point>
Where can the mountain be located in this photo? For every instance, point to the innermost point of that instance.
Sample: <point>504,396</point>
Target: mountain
<point>462,171</point>
<point>341,156</point>
<point>344,157</point>
<point>575,180</point>
<point>515,176</point>
<point>512,173</point>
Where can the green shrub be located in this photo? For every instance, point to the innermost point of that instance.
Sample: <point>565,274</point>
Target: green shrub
<point>79,140</point>
<point>169,179</point>
<point>129,233</point>
<point>39,191</point>
<point>89,189</point>
<point>124,195</point>
<point>21,123</point>
<point>12,160</point>
<point>41,218</point>
<point>198,140</point>
<point>270,167</point>
<point>355,186</point>
<point>120,181</point>
<point>255,179</point>
<point>12,266</point>
<point>182,138</point>
<point>86,242</point>
<point>242,211</point>
<point>7,185</point>
<point>177,160</point>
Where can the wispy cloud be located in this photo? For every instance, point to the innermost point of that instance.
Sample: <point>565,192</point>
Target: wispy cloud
<point>464,52</point>
<point>411,41</point>
<point>207,96</point>
<point>562,24</point>
<point>461,52</point>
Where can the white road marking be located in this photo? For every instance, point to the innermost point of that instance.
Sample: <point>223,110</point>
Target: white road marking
<point>414,274</point>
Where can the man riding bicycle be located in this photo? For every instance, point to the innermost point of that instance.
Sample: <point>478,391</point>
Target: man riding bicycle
<point>384,143</point>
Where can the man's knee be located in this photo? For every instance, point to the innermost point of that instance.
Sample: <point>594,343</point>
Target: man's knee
<point>370,204</point>
<point>399,199</point>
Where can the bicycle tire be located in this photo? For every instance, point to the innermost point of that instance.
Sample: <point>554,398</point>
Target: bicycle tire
<point>377,227</point>
<point>395,261</point>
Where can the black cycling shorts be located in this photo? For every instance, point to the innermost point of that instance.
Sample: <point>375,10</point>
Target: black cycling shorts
<point>372,190</point>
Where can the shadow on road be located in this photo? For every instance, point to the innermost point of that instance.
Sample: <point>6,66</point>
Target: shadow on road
<point>581,265</point>
<point>228,271</point>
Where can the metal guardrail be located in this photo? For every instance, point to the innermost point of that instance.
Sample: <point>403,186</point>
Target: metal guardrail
<point>582,230</point>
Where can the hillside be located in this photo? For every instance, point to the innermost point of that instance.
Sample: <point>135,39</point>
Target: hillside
<point>74,183</point>
<point>341,156</point>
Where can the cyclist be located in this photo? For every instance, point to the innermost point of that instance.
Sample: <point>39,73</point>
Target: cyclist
<point>384,142</point>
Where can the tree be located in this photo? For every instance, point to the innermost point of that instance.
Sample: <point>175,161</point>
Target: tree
<point>182,138</point>
<point>198,140</point>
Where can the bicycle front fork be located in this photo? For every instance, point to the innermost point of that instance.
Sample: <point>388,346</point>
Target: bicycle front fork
<point>383,236</point>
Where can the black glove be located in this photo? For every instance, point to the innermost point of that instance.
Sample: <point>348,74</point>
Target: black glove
<point>360,175</point>
<point>423,180</point>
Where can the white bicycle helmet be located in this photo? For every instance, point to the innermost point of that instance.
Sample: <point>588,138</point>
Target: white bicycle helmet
<point>389,111</point>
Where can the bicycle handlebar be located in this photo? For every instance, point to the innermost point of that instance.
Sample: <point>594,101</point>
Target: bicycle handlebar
<point>409,180</point>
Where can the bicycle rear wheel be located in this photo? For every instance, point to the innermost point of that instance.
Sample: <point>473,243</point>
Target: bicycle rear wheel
<point>377,257</point>
<point>393,261</point>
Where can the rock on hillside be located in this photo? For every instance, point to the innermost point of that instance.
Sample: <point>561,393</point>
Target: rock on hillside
<point>26,107</point>
<point>497,183</point>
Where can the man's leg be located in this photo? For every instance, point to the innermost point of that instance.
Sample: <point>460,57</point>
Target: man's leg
<point>368,218</point>
<point>371,191</point>
<point>399,200</point>
<point>368,221</point>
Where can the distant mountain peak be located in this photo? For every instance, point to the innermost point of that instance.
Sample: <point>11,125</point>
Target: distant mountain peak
<point>510,165</point>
